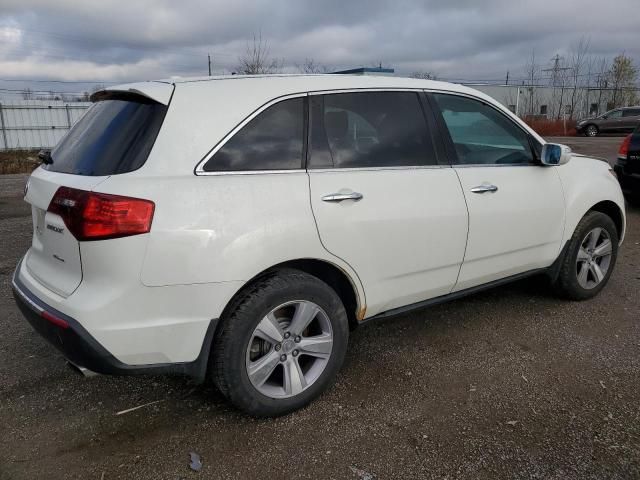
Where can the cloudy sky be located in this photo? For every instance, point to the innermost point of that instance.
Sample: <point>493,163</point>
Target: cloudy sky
<point>122,40</point>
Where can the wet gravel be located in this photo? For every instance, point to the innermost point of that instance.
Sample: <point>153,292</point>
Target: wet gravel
<point>509,383</point>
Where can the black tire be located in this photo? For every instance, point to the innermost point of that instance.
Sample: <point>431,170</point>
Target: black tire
<point>591,131</point>
<point>566,284</point>
<point>228,367</point>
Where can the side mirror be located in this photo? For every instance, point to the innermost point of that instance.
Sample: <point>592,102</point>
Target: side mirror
<point>604,117</point>
<point>555,154</point>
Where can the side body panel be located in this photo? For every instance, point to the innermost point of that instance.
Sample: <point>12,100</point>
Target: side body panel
<point>515,229</point>
<point>405,237</point>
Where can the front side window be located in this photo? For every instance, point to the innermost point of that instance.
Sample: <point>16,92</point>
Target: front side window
<point>481,135</point>
<point>271,141</point>
<point>369,129</point>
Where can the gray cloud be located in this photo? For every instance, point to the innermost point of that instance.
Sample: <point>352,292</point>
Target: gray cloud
<point>118,40</point>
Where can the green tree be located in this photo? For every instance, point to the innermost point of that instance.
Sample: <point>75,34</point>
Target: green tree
<point>622,78</point>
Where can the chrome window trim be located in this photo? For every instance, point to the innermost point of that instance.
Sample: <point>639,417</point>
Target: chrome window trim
<point>199,170</point>
<point>364,90</point>
<point>250,172</point>
<point>499,165</point>
<point>375,169</point>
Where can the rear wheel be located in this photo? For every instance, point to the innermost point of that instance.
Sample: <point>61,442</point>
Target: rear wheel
<point>591,131</point>
<point>589,259</point>
<point>281,345</point>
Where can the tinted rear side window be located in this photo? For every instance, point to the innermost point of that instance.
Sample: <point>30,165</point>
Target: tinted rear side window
<point>632,112</point>
<point>369,129</point>
<point>113,136</point>
<point>271,141</point>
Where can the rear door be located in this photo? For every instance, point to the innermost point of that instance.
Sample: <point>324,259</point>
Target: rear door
<point>114,136</point>
<point>516,206</point>
<point>381,201</point>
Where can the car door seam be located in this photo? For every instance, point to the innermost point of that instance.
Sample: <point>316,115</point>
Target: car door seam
<point>466,245</point>
<point>363,305</point>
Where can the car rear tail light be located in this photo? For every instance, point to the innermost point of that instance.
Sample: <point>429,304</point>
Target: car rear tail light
<point>99,216</point>
<point>624,148</point>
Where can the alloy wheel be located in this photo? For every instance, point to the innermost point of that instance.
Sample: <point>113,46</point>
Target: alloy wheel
<point>289,349</point>
<point>594,258</point>
<point>592,131</point>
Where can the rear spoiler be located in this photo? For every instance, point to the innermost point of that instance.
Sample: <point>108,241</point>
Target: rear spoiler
<point>159,92</point>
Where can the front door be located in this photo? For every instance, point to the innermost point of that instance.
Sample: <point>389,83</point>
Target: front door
<point>381,201</point>
<point>516,206</point>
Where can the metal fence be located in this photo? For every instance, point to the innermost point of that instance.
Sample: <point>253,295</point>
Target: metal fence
<point>36,124</point>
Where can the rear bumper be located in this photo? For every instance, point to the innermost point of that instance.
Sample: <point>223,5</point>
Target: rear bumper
<point>83,350</point>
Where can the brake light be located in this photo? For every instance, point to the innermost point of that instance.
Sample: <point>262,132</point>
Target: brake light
<point>100,216</point>
<point>624,148</point>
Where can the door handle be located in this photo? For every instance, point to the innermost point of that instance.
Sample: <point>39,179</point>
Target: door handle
<point>484,189</point>
<point>338,197</point>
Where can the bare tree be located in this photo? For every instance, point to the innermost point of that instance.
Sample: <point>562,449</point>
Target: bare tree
<point>532,82</point>
<point>257,59</point>
<point>27,94</point>
<point>577,64</point>
<point>602,80</point>
<point>311,66</point>
<point>424,75</point>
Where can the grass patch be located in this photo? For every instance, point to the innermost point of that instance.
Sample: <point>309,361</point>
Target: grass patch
<point>18,161</point>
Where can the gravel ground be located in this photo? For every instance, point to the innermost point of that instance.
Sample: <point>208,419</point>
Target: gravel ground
<point>510,383</point>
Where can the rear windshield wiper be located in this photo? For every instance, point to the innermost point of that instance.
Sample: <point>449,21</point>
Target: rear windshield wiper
<point>45,157</point>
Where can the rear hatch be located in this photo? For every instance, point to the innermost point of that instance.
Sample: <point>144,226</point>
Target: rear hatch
<point>113,137</point>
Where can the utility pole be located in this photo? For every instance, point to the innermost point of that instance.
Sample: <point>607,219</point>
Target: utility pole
<point>209,58</point>
<point>507,81</point>
<point>556,77</point>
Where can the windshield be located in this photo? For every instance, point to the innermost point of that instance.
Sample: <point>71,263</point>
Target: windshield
<point>114,136</point>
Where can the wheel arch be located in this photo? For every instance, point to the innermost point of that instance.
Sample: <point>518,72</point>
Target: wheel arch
<point>613,211</point>
<point>334,276</point>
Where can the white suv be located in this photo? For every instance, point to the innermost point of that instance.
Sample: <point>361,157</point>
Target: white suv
<point>238,227</point>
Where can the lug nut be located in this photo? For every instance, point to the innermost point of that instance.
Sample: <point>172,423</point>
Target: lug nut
<point>283,358</point>
<point>297,339</point>
<point>295,353</point>
<point>278,347</point>
<point>287,335</point>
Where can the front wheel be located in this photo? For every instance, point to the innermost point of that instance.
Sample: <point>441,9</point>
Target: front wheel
<point>591,131</point>
<point>281,345</point>
<point>590,258</point>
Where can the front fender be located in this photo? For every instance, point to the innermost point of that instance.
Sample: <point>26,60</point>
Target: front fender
<point>587,182</point>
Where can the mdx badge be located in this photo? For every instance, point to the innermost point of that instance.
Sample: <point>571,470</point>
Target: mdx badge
<point>54,228</point>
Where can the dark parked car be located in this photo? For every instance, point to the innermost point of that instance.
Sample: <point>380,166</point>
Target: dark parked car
<point>619,120</point>
<point>628,166</point>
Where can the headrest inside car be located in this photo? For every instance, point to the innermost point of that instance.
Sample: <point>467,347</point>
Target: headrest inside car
<point>336,124</point>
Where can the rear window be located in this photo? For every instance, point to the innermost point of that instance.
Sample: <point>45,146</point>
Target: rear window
<point>114,136</point>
